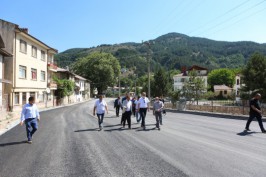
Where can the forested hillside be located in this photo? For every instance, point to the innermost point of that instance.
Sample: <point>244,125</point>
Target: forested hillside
<point>172,50</point>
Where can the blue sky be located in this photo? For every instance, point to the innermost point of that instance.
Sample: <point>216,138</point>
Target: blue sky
<point>65,24</point>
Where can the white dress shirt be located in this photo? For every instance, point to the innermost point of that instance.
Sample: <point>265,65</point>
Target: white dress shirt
<point>100,106</point>
<point>143,102</point>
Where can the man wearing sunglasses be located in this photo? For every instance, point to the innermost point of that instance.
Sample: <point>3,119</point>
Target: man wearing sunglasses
<point>143,106</point>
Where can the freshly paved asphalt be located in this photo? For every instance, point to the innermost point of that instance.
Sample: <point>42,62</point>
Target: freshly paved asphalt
<point>68,143</point>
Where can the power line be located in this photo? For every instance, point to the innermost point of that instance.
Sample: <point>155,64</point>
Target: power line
<point>156,29</point>
<point>239,20</point>
<point>162,26</point>
<point>229,19</point>
<point>181,18</point>
<point>220,16</point>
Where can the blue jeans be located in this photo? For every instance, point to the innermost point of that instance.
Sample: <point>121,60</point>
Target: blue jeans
<point>138,118</point>
<point>31,127</point>
<point>100,119</point>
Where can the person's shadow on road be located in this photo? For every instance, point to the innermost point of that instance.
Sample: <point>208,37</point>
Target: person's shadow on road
<point>12,143</point>
<point>88,130</point>
<point>146,129</point>
<point>246,133</point>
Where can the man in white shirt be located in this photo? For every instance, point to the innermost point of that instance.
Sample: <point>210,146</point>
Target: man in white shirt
<point>100,107</point>
<point>29,116</point>
<point>127,106</point>
<point>143,105</point>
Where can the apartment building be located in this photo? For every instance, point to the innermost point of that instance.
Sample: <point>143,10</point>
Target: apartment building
<point>180,79</point>
<point>79,88</point>
<point>27,68</point>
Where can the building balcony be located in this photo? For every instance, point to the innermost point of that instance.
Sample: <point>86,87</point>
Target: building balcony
<point>52,85</point>
<point>52,66</point>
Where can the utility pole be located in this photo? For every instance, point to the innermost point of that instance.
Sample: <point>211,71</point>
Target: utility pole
<point>148,44</point>
<point>119,94</point>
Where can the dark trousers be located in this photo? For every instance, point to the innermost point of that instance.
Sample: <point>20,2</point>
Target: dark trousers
<point>143,112</point>
<point>251,117</point>
<point>31,127</point>
<point>117,109</point>
<point>123,118</point>
<point>127,116</point>
<point>134,111</point>
<point>158,117</point>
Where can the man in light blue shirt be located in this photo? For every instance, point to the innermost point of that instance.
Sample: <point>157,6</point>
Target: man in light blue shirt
<point>30,115</point>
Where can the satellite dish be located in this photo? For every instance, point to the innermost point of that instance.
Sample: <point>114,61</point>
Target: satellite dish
<point>48,90</point>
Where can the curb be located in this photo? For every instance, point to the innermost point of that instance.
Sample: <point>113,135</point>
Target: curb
<point>211,114</point>
<point>16,122</point>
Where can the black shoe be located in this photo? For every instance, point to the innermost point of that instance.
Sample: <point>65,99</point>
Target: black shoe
<point>264,131</point>
<point>247,129</point>
<point>159,128</point>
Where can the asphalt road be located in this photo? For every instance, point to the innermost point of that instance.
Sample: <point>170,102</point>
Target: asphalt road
<point>68,143</point>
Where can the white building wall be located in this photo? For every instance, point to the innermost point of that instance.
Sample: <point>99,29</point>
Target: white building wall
<point>30,62</point>
<point>180,80</point>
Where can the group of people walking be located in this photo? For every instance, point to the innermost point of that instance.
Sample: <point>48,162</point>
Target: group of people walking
<point>136,106</point>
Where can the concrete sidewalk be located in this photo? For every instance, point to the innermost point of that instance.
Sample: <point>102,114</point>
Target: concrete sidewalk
<point>14,117</point>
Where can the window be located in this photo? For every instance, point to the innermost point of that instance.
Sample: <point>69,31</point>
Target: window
<point>34,51</point>
<point>16,97</point>
<point>182,79</point>
<point>23,46</point>
<point>42,75</point>
<point>41,99</point>
<point>225,92</point>
<point>42,55</point>
<point>33,74</point>
<point>51,58</point>
<point>32,94</point>
<point>24,98</point>
<point>22,72</point>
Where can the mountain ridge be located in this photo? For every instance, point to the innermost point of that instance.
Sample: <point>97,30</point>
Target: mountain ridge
<point>173,50</point>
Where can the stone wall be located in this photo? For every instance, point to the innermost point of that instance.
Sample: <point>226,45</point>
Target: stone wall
<point>234,110</point>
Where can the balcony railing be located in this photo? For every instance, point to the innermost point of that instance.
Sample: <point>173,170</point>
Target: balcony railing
<point>52,66</point>
<point>52,85</point>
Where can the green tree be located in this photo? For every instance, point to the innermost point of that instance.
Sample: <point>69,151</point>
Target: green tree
<point>161,83</point>
<point>174,95</point>
<point>65,87</point>
<point>194,87</point>
<point>254,74</point>
<point>222,76</point>
<point>101,68</point>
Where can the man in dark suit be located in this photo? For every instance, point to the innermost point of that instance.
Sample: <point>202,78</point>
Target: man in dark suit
<point>117,106</point>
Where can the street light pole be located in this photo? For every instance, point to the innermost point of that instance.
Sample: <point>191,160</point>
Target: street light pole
<point>148,44</point>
